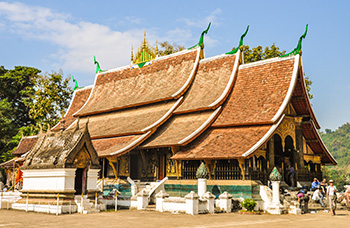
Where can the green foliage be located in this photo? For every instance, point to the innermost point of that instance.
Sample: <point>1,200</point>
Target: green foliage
<point>50,99</point>
<point>258,53</point>
<point>28,99</point>
<point>338,143</point>
<point>166,48</point>
<point>248,204</point>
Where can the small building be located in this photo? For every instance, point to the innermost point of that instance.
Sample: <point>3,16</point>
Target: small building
<point>61,164</point>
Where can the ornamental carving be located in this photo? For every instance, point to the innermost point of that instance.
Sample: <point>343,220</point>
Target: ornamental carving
<point>82,159</point>
<point>202,171</point>
<point>275,175</point>
<point>287,127</point>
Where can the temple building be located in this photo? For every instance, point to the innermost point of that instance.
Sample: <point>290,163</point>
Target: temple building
<point>161,116</point>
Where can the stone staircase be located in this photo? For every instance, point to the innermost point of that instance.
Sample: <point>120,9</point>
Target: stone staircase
<point>85,206</point>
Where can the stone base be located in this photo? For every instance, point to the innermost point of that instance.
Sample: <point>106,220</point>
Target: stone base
<point>50,209</point>
<point>275,210</point>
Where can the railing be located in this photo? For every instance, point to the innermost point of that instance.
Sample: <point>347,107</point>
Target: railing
<point>190,168</point>
<point>309,175</point>
<point>227,170</point>
<point>257,175</point>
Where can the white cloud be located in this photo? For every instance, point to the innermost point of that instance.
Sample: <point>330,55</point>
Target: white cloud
<point>77,42</point>
<point>203,23</point>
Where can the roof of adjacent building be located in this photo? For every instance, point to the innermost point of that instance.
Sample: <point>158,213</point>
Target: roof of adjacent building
<point>25,145</point>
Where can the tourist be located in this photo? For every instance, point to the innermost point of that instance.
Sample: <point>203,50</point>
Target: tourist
<point>347,194</point>
<point>323,185</point>
<point>303,200</point>
<point>291,175</point>
<point>318,197</point>
<point>315,184</point>
<point>5,188</point>
<point>332,196</point>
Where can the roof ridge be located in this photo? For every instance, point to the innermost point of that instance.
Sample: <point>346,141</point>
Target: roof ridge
<point>214,58</point>
<point>266,61</point>
<point>161,58</point>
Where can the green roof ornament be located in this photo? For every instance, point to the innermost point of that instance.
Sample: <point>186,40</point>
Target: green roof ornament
<point>297,50</point>
<point>75,82</point>
<point>98,68</point>
<point>275,175</point>
<point>201,39</point>
<point>202,171</point>
<point>240,45</point>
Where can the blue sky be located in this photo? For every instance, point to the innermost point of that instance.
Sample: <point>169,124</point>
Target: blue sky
<point>53,35</point>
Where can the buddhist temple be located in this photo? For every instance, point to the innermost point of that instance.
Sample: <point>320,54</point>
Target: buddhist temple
<point>161,116</point>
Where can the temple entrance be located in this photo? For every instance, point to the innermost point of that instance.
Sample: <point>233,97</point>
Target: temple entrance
<point>80,181</point>
<point>162,165</point>
<point>134,166</point>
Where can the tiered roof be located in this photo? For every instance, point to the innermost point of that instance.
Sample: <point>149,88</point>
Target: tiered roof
<point>214,108</point>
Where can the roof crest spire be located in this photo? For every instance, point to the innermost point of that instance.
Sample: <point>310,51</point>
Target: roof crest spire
<point>240,45</point>
<point>75,83</point>
<point>201,39</point>
<point>98,68</point>
<point>297,50</point>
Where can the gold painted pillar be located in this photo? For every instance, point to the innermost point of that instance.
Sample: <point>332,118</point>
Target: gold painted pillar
<point>241,166</point>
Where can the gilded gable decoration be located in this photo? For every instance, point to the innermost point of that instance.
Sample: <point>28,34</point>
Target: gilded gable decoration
<point>145,53</point>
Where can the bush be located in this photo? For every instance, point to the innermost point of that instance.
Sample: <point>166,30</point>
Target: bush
<point>248,204</point>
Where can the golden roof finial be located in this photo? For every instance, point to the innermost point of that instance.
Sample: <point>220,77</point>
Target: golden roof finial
<point>132,53</point>
<point>156,47</point>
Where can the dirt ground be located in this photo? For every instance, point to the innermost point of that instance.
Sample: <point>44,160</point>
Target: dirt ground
<point>126,218</point>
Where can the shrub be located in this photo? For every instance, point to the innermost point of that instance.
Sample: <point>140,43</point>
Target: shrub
<point>248,204</point>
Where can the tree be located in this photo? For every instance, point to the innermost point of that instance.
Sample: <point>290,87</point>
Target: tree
<point>166,48</point>
<point>28,99</point>
<point>50,99</point>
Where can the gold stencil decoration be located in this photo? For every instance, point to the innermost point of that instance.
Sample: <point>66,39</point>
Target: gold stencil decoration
<point>286,128</point>
<point>124,165</point>
<point>170,166</point>
<point>82,158</point>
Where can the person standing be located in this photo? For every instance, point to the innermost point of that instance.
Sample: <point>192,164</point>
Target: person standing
<point>332,196</point>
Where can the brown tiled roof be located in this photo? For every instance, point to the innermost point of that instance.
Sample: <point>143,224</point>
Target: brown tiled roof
<point>213,76</point>
<point>223,143</point>
<point>10,163</point>
<point>181,129</point>
<point>258,93</point>
<point>25,145</point>
<point>315,142</point>
<point>166,78</point>
<point>117,145</point>
<point>80,96</point>
<point>129,121</point>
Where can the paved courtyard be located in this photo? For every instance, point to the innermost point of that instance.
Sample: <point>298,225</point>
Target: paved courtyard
<point>126,218</point>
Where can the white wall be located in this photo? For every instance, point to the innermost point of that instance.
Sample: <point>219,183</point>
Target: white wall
<point>49,179</point>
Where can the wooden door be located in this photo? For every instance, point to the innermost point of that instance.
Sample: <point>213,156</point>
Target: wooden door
<point>162,167</point>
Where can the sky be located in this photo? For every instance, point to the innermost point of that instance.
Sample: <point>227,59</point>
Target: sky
<point>54,35</point>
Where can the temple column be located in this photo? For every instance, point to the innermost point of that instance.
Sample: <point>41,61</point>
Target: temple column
<point>299,150</point>
<point>271,154</point>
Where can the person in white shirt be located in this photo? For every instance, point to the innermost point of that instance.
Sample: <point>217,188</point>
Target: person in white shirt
<point>318,197</point>
<point>332,196</point>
